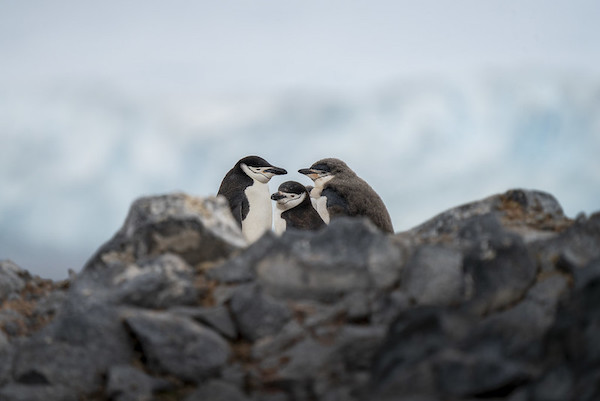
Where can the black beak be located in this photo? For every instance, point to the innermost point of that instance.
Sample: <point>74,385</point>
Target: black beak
<point>276,170</point>
<point>306,171</point>
<point>277,195</point>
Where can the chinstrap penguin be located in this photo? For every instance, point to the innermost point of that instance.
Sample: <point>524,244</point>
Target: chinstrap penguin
<point>294,208</point>
<point>338,191</point>
<point>246,189</point>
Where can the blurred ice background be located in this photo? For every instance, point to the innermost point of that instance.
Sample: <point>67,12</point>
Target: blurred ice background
<point>433,103</point>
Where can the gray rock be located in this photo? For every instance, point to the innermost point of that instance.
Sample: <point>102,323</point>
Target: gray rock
<point>216,317</point>
<point>557,385</point>
<point>126,383</point>
<point>242,268</point>
<point>304,361</point>
<point>484,375</point>
<point>256,313</point>
<point>434,276</point>
<point>50,304</point>
<point>356,345</point>
<point>387,306</point>
<point>574,248</point>
<point>12,322</point>
<point>177,345</point>
<point>197,229</point>
<point>404,364</point>
<point>497,299</point>
<point>222,294</point>
<point>271,396</point>
<point>49,363</point>
<point>290,334</point>
<point>515,208</point>
<point>348,255</point>
<point>217,390</point>
<point>498,263</point>
<point>234,373</point>
<point>23,392</point>
<point>357,306</point>
<point>158,283</point>
<point>7,353</point>
<point>12,279</point>
<point>75,349</point>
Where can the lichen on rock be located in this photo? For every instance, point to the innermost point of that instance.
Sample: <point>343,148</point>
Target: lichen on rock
<point>495,299</point>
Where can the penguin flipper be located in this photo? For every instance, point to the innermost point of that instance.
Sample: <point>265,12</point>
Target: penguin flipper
<point>337,205</point>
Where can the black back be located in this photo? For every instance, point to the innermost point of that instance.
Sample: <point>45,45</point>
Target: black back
<point>232,188</point>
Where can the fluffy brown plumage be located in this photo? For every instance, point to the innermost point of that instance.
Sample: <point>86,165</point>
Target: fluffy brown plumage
<point>347,194</point>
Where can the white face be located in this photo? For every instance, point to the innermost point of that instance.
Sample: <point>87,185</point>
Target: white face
<point>289,200</point>
<point>321,180</point>
<point>257,173</point>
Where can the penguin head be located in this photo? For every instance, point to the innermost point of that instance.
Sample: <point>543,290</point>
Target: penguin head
<point>259,169</point>
<point>290,195</point>
<point>325,169</point>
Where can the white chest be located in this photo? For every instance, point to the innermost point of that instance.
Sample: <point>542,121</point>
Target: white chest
<point>320,202</point>
<point>259,218</point>
<point>321,207</point>
<point>279,224</point>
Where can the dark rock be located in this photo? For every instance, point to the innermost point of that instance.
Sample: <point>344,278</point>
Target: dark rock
<point>356,345</point>
<point>290,334</point>
<point>256,313</point>
<point>434,276</point>
<point>484,375</point>
<point>573,248</point>
<point>271,396</point>
<point>520,210</point>
<point>178,346</point>
<point>57,364</point>
<point>126,383</point>
<point>7,353</point>
<point>303,361</point>
<point>235,374</point>
<point>404,363</point>
<point>197,229</point>
<point>217,390</point>
<point>349,255</point>
<point>23,392</point>
<point>356,306</point>
<point>387,306</point>
<point>216,317</point>
<point>242,268</point>
<point>12,322</point>
<point>497,262</point>
<point>495,300</point>
<point>572,340</point>
<point>557,385</point>
<point>521,329</point>
<point>157,283</point>
<point>84,330</point>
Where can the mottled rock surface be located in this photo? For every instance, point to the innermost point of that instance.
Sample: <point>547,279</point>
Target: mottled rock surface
<point>497,299</point>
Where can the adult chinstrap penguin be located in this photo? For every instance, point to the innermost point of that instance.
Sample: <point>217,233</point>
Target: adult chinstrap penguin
<point>294,208</point>
<point>246,189</point>
<point>338,191</point>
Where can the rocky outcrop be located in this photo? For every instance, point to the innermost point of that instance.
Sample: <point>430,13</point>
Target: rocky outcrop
<point>497,299</point>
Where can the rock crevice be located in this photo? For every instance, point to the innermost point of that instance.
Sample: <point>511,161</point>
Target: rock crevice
<point>496,299</point>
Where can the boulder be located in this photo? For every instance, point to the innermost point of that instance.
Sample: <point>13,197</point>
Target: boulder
<point>178,346</point>
<point>197,229</point>
<point>496,299</point>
